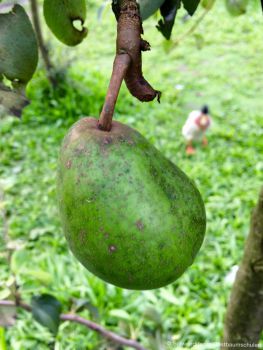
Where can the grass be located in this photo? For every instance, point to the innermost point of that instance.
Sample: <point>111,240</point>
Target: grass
<point>219,65</point>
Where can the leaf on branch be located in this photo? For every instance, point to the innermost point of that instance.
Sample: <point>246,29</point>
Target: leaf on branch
<point>13,101</point>
<point>191,6</point>
<point>46,310</point>
<point>81,304</point>
<point>7,316</point>
<point>116,8</point>
<point>149,7</point>
<point>18,46</point>
<point>168,11</point>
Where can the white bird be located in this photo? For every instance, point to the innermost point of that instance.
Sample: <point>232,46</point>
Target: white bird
<point>195,128</point>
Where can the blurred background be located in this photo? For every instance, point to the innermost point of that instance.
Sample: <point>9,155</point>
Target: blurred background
<point>219,64</point>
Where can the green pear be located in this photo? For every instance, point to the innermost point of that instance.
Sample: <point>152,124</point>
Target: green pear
<point>130,216</point>
<point>60,16</point>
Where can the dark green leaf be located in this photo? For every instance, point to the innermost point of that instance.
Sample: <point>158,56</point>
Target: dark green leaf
<point>116,8</point>
<point>191,6</point>
<point>46,310</point>
<point>168,11</point>
<point>81,304</point>
<point>18,46</point>
<point>149,7</point>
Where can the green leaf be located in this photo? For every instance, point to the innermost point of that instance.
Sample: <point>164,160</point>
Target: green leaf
<point>46,310</point>
<point>168,11</point>
<point>19,259</point>
<point>153,315</point>
<point>119,313</point>
<point>13,101</point>
<point>208,4</point>
<point>39,275</point>
<point>3,345</point>
<point>4,294</point>
<point>18,46</point>
<point>81,304</point>
<point>149,7</point>
<point>191,6</point>
<point>167,295</point>
<point>63,26</point>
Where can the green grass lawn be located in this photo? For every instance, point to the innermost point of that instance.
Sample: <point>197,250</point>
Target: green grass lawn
<point>220,65</point>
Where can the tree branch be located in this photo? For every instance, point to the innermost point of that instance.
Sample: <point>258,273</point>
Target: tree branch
<point>244,317</point>
<point>128,61</point>
<point>87,323</point>
<point>42,47</point>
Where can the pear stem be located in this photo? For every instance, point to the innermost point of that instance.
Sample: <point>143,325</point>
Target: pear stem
<point>128,61</point>
<point>120,67</point>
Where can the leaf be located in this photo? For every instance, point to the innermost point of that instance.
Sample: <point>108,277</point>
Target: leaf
<point>4,294</point>
<point>39,275</point>
<point>115,5</point>
<point>149,7</point>
<point>37,232</point>
<point>7,316</point>
<point>19,259</point>
<point>191,6</point>
<point>81,304</point>
<point>13,101</point>
<point>167,295</point>
<point>168,11</point>
<point>208,4</point>
<point>18,46</point>
<point>122,314</point>
<point>152,314</point>
<point>3,345</point>
<point>46,310</point>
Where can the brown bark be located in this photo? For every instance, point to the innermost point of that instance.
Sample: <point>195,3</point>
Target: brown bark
<point>244,317</point>
<point>129,40</point>
<point>42,47</point>
<point>128,61</point>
